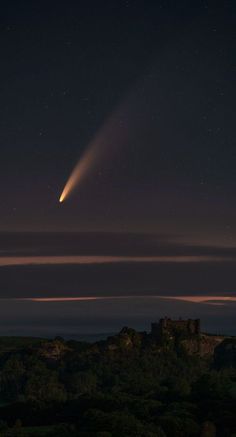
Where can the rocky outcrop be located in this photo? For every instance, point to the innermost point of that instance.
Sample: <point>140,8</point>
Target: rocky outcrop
<point>53,350</point>
<point>126,339</point>
<point>202,345</point>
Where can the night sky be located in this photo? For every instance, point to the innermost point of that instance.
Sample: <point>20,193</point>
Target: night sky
<point>149,88</point>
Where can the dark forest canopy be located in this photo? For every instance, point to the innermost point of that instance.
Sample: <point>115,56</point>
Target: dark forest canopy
<point>128,385</point>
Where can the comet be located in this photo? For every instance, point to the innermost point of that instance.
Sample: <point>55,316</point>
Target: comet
<point>80,171</point>
<point>99,153</point>
<point>117,132</point>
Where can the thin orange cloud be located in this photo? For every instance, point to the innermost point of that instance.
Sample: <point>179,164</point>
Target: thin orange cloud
<point>94,259</point>
<point>216,300</point>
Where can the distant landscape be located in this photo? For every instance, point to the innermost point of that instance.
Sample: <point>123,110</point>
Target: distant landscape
<point>92,320</point>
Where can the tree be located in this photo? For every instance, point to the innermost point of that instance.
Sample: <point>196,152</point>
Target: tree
<point>208,429</point>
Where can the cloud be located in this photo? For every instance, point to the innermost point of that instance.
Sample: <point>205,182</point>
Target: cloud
<point>165,279</point>
<point>58,260</point>
<point>105,244</point>
<point>208,300</point>
<point>112,264</point>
